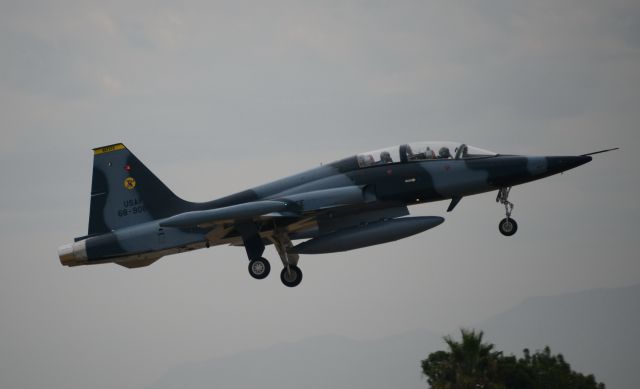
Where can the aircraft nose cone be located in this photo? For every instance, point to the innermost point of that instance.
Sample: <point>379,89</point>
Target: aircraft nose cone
<point>561,164</point>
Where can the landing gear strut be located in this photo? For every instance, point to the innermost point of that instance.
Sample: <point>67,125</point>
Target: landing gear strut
<point>507,226</point>
<point>259,267</point>
<point>291,274</point>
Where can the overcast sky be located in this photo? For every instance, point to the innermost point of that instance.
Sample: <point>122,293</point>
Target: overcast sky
<point>217,97</point>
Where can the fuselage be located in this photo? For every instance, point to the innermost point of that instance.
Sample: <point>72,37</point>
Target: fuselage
<point>390,183</point>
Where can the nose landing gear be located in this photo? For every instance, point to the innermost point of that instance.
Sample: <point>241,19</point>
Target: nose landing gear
<point>507,226</point>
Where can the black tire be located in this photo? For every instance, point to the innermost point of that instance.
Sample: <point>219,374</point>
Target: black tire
<point>508,226</point>
<point>259,268</point>
<point>291,279</point>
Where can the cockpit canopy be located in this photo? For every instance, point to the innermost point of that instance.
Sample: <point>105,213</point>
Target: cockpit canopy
<point>419,151</point>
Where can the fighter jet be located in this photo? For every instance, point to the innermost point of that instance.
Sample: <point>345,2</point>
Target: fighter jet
<point>359,201</point>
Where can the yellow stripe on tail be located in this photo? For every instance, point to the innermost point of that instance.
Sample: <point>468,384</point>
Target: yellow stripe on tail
<point>108,149</point>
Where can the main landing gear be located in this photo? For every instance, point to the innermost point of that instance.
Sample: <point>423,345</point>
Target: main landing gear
<point>507,226</point>
<point>259,267</point>
<point>291,276</point>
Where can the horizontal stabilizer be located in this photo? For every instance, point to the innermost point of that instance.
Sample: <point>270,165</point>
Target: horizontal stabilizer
<point>233,212</point>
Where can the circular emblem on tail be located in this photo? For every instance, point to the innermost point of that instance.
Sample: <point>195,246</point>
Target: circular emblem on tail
<point>129,183</point>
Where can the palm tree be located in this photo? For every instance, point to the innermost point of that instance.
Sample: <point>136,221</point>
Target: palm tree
<point>469,364</point>
<point>472,364</point>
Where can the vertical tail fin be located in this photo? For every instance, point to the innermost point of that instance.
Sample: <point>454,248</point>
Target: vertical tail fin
<point>124,192</point>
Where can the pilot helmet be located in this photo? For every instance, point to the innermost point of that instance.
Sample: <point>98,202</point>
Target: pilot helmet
<point>444,152</point>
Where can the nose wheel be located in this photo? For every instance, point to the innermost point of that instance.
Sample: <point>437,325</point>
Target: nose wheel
<point>507,226</point>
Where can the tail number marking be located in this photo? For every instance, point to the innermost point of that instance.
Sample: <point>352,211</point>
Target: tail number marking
<point>132,207</point>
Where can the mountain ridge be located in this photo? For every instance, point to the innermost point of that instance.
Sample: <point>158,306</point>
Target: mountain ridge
<point>593,329</point>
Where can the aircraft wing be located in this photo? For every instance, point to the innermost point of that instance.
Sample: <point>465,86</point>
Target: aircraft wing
<point>233,212</point>
<point>284,205</point>
<point>323,199</point>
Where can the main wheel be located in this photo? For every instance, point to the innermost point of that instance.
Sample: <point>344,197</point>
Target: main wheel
<point>291,277</point>
<point>508,226</point>
<point>259,268</point>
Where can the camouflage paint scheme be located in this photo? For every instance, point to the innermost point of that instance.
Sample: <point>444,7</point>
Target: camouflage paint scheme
<point>135,219</point>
